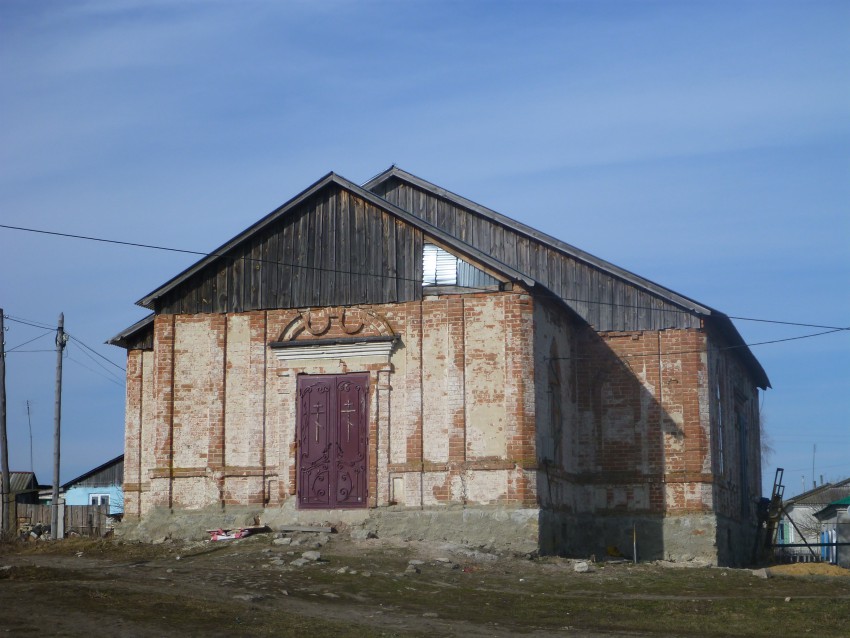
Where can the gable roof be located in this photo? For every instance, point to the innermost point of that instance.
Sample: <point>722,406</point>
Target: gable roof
<point>719,320</point>
<point>90,473</point>
<point>22,482</point>
<point>428,229</point>
<point>822,494</point>
<point>543,238</point>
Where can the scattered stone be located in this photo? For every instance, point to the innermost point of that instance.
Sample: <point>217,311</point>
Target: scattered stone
<point>362,534</point>
<point>311,555</point>
<point>415,561</point>
<point>330,595</point>
<point>169,571</point>
<point>6,568</point>
<point>430,614</point>
<point>788,599</point>
<point>278,562</point>
<point>366,574</point>
<point>322,539</point>
<point>282,541</point>
<point>342,570</point>
<point>761,573</point>
<point>582,567</point>
<point>299,562</point>
<point>79,554</point>
<point>475,555</point>
<point>251,598</point>
<point>412,569</point>
<point>295,541</point>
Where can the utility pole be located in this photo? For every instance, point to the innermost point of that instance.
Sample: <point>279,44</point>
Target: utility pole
<point>5,487</point>
<point>61,338</point>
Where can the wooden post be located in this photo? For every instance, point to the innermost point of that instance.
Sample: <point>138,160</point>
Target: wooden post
<point>57,418</point>
<point>6,527</point>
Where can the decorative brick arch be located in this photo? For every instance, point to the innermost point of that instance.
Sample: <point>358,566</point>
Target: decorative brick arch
<point>335,323</point>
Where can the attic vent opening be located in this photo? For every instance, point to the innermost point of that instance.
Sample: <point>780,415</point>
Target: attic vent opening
<point>441,268</point>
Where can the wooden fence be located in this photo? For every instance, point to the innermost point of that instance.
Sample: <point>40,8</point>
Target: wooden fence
<point>85,520</point>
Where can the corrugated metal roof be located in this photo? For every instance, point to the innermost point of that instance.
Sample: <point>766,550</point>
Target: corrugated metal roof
<point>22,482</point>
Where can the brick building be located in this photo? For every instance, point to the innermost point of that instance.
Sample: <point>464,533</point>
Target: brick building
<point>397,356</point>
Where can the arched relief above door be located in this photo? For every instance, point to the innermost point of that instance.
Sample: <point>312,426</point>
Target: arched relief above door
<point>335,333</point>
<point>330,323</point>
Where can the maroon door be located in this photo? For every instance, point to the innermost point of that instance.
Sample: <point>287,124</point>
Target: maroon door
<point>332,439</point>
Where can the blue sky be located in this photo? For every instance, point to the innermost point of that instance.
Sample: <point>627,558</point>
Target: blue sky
<point>705,146</point>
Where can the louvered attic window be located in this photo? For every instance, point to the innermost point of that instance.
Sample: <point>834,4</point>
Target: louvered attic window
<point>440,268</point>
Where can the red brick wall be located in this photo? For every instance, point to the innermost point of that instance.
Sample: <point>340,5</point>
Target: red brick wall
<point>452,412</point>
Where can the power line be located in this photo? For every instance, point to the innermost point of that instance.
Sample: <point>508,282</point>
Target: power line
<point>95,352</point>
<point>29,322</point>
<point>655,353</point>
<point>93,371</point>
<point>26,342</point>
<point>362,274</point>
<point>100,365</point>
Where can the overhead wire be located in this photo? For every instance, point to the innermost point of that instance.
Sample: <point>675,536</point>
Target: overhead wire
<point>394,277</point>
<point>374,275</point>
<point>20,345</point>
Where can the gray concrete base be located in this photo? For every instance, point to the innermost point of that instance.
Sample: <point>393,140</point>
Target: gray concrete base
<point>494,528</point>
<point>676,538</point>
<point>695,537</point>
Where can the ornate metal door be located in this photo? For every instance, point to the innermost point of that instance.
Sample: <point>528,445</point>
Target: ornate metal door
<point>332,458</point>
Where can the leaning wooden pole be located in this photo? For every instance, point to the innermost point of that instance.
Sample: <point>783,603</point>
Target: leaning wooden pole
<point>7,503</point>
<point>57,419</point>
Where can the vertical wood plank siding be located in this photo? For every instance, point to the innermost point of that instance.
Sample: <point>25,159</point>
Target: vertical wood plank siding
<point>603,300</point>
<point>335,249</point>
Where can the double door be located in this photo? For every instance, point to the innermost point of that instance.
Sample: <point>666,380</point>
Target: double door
<point>332,458</point>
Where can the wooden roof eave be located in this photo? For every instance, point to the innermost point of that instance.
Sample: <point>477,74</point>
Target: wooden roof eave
<point>121,338</point>
<point>726,328</point>
<point>490,264</point>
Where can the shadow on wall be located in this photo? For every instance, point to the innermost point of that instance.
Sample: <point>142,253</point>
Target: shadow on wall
<point>617,421</point>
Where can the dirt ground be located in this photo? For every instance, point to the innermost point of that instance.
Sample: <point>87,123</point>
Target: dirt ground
<point>373,587</point>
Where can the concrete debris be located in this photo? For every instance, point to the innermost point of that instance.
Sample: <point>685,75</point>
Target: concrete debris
<point>761,573</point>
<point>299,562</point>
<point>582,567</point>
<point>311,555</point>
<point>412,569</point>
<point>415,561</point>
<point>282,541</point>
<point>324,529</point>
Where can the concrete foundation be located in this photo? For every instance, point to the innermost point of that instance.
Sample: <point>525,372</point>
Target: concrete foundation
<point>677,538</point>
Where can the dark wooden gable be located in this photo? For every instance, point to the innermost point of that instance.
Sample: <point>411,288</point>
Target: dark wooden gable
<point>602,297</point>
<point>333,248</point>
